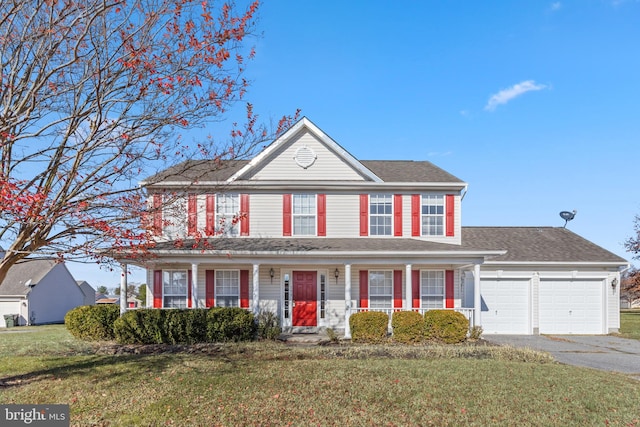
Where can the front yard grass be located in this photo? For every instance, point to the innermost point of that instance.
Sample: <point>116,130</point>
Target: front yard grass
<point>268,383</point>
<point>630,323</point>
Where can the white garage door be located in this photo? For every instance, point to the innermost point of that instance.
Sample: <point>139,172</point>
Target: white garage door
<point>571,307</point>
<point>8,307</point>
<point>505,306</point>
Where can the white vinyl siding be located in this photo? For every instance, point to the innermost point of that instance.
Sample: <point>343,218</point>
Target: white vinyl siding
<point>380,214</point>
<point>432,289</point>
<point>327,166</point>
<point>380,289</point>
<point>174,288</point>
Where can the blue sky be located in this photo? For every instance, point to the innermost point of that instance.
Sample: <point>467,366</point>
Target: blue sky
<point>535,104</point>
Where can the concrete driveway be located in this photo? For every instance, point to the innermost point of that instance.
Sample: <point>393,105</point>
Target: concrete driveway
<point>604,352</point>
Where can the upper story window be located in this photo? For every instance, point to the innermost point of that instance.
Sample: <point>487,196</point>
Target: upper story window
<point>174,289</point>
<point>432,288</point>
<point>381,289</point>
<point>304,214</point>
<point>432,211</point>
<point>227,209</point>
<point>227,288</point>
<point>380,214</point>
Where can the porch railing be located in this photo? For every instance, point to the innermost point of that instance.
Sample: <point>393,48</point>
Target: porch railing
<point>467,312</point>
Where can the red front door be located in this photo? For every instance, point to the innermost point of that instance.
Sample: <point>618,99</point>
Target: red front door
<point>305,298</point>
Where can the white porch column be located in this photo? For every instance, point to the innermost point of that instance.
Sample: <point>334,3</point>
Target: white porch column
<point>408,288</point>
<point>347,300</point>
<point>477,301</point>
<point>194,285</point>
<point>255,306</point>
<point>123,289</point>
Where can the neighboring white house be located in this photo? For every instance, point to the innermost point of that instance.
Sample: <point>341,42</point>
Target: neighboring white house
<point>88,291</point>
<point>39,291</point>
<point>321,235</point>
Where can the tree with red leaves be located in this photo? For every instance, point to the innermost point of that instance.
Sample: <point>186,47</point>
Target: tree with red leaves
<point>93,96</point>
<point>630,284</point>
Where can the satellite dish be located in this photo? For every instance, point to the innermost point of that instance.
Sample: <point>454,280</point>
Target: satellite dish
<point>568,216</point>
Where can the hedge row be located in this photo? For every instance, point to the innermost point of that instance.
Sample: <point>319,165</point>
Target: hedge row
<point>445,326</point>
<point>175,326</point>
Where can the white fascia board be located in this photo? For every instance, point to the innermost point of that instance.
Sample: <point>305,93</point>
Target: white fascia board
<point>333,254</point>
<point>557,263</point>
<point>305,123</point>
<point>320,185</point>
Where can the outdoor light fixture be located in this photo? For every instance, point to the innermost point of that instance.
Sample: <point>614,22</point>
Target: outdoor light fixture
<point>614,283</point>
<point>336,274</point>
<point>271,274</point>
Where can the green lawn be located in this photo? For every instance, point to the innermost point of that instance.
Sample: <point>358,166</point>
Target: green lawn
<point>630,323</point>
<point>273,384</point>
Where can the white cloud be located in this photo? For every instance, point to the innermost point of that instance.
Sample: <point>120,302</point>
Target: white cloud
<point>506,95</point>
<point>556,6</point>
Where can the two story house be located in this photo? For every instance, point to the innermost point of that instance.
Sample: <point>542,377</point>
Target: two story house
<point>309,232</point>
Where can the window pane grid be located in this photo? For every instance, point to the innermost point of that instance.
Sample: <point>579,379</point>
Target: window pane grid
<point>380,289</point>
<point>227,208</point>
<point>304,214</point>
<point>227,288</point>
<point>174,289</point>
<point>432,215</point>
<point>432,289</point>
<point>380,214</point>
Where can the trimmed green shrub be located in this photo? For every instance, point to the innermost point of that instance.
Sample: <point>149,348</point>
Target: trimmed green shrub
<point>368,326</point>
<point>92,322</point>
<point>408,326</point>
<point>153,326</point>
<point>447,326</point>
<point>230,324</point>
<point>268,325</point>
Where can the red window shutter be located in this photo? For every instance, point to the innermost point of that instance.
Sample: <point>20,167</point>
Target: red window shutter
<point>364,289</point>
<point>364,215</point>
<point>192,209</point>
<point>210,288</point>
<point>244,288</point>
<point>449,215</point>
<point>322,215</point>
<point>415,288</point>
<point>157,214</point>
<point>157,289</point>
<point>397,288</point>
<point>448,288</point>
<point>286,214</point>
<point>244,220</point>
<point>397,214</point>
<point>210,207</point>
<point>189,285</point>
<point>415,214</point>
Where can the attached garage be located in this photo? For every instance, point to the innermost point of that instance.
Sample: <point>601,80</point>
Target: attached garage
<point>505,306</point>
<point>571,307</point>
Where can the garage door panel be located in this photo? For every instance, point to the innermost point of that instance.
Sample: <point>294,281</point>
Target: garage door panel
<point>505,306</point>
<point>571,307</point>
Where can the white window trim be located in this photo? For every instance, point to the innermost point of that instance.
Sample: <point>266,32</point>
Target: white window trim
<point>217,295</point>
<point>186,289</point>
<point>314,214</point>
<point>444,289</point>
<point>390,295</point>
<point>423,229</point>
<point>390,215</point>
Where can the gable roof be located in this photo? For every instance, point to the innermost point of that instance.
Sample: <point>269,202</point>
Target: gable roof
<point>19,275</point>
<point>221,171</point>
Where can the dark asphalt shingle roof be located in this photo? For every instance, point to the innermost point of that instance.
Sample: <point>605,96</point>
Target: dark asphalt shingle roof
<point>523,244</point>
<point>22,272</point>
<point>387,170</point>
